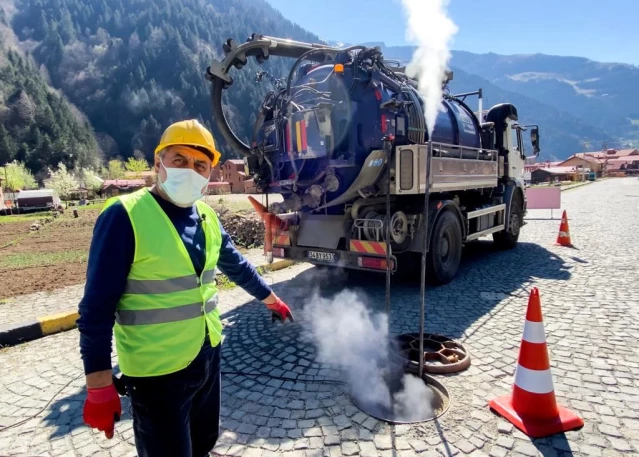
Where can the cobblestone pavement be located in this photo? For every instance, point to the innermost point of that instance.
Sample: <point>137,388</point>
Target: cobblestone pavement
<point>32,306</point>
<point>591,318</point>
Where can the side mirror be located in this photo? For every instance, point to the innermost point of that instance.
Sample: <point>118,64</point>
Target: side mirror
<point>534,139</point>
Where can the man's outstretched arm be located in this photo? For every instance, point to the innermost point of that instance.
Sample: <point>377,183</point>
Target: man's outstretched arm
<point>239,270</point>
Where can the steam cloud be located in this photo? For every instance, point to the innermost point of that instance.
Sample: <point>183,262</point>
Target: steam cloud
<point>348,336</point>
<point>431,30</point>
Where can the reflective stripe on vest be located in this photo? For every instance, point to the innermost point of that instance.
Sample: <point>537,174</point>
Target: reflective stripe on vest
<point>167,311</point>
<point>167,286</point>
<point>163,316</point>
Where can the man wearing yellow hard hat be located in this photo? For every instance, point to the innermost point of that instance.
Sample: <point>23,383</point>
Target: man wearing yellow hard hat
<point>151,281</point>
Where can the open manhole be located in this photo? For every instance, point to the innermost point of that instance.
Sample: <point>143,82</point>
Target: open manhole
<point>441,354</point>
<point>405,399</point>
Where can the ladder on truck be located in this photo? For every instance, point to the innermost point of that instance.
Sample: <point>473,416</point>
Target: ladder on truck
<point>485,212</point>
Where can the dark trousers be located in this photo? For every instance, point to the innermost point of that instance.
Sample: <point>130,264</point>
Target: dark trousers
<point>178,414</point>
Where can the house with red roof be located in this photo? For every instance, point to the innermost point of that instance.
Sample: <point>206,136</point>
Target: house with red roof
<point>113,187</point>
<point>602,161</point>
<point>552,174</point>
<point>584,160</point>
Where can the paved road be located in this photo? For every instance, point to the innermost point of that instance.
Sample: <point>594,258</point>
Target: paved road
<point>591,317</point>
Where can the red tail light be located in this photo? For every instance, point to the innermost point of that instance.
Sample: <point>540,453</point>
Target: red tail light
<point>384,125</point>
<point>374,263</point>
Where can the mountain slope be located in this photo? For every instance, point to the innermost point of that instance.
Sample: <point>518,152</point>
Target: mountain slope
<point>37,126</point>
<point>604,95</point>
<point>135,67</point>
<point>561,133</point>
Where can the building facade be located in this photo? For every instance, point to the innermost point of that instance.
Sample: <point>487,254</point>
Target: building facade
<point>584,161</point>
<point>114,187</point>
<point>233,173</point>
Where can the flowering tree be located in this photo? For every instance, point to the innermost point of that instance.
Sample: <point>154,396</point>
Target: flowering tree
<point>136,166</point>
<point>17,177</point>
<point>90,180</point>
<point>116,169</point>
<point>62,181</point>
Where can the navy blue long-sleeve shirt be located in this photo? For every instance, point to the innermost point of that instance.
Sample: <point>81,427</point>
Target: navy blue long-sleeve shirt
<point>110,257</point>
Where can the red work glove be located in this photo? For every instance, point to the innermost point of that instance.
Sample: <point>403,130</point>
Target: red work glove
<point>102,408</point>
<point>280,311</point>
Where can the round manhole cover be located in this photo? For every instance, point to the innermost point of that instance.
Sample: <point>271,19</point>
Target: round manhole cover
<point>409,399</point>
<point>441,354</point>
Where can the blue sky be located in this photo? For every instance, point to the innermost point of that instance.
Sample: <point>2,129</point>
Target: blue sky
<point>605,31</point>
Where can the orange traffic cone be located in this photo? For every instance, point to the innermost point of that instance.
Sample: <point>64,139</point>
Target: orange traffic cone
<point>532,406</point>
<point>563,239</point>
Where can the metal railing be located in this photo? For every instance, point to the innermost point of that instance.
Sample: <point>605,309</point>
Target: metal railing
<point>491,154</point>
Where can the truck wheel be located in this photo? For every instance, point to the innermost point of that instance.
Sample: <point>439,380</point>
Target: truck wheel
<point>445,252</point>
<point>507,239</point>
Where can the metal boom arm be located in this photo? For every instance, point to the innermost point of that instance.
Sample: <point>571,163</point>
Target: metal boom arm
<point>261,47</point>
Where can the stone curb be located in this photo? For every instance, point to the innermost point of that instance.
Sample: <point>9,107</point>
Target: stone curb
<point>22,332</point>
<point>577,186</point>
<point>278,265</point>
<point>37,328</point>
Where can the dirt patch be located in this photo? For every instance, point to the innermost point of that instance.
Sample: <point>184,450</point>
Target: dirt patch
<point>55,256</point>
<point>41,279</point>
<point>9,232</point>
<point>46,259</point>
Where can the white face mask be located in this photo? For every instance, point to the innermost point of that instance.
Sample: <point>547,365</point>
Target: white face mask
<point>184,186</point>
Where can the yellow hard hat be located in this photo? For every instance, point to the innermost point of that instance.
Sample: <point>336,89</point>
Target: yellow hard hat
<point>190,133</point>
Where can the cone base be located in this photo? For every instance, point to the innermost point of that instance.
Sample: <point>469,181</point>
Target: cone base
<point>570,245</point>
<point>535,428</point>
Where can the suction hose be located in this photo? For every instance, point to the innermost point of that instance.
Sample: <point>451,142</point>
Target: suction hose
<point>222,123</point>
<point>261,47</point>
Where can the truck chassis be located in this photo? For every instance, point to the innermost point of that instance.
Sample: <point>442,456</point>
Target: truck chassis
<point>466,200</point>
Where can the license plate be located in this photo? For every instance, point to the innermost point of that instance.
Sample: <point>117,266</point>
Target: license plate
<point>322,256</point>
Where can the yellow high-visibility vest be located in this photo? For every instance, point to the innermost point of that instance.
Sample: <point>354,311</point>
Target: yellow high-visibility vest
<point>166,310</point>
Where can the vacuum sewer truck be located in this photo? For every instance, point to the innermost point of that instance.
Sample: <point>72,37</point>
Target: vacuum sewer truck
<point>343,140</point>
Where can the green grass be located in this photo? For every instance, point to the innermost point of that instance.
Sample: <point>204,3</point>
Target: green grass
<point>37,259</point>
<point>23,218</point>
<point>87,207</point>
<point>224,283</point>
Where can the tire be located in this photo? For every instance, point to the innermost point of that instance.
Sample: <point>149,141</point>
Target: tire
<point>445,252</point>
<point>507,239</point>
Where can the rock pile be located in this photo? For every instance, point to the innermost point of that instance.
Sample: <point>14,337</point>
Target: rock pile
<point>245,228</point>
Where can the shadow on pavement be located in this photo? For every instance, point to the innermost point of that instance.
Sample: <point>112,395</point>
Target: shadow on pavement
<point>446,450</point>
<point>556,445</point>
<point>65,413</point>
<point>487,276</point>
